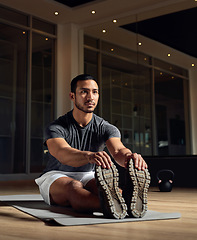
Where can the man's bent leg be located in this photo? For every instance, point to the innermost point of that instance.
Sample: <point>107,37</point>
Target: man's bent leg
<point>66,191</point>
<point>92,187</point>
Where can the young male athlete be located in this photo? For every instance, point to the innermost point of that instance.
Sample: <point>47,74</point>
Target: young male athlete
<point>79,173</point>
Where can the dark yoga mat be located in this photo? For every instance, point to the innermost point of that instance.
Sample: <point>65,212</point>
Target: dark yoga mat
<point>35,206</point>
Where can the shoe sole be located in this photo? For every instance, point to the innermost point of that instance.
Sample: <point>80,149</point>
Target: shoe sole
<point>113,204</point>
<point>139,181</point>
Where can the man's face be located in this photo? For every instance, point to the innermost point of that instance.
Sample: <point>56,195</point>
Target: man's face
<point>86,96</point>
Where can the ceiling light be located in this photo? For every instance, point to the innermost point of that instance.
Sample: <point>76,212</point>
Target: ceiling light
<point>56,13</point>
<point>93,12</point>
<point>169,54</point>
<point>104,31</point>
<point>114,21</point>
<point>46,39</point>
<point>24,32</point>
<point>193,63</point>
<point>140,44</point>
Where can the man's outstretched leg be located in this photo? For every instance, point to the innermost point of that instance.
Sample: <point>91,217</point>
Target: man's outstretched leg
<point>112,202</point>
<point>136,189</point>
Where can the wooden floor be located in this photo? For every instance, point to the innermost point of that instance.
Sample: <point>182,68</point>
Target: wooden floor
<point>15,225</point>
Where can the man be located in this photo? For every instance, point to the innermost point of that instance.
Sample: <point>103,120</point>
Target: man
<point>76,142</point>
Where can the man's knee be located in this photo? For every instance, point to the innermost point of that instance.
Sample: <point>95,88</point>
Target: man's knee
<point>74,185</point>
<point>76,189</point>
<point>61,191</point>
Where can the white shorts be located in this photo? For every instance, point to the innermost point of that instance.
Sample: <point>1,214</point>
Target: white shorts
<point>44,182</point>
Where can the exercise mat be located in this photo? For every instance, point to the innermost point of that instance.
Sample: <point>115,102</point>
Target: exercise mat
<point>36,207</point>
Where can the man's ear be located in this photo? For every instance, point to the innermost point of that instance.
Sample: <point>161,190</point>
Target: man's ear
<point>72,95</point>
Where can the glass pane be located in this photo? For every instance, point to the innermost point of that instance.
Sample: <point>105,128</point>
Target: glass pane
<point>13,16</point>
<point>43,26</point>
<point>13,59</point>
<point>90,67</point>
<point>170,67</point>
<point>37,154</point>
<point>116,107</point>
<point>42,97</point>
<point>5,116</point>
<point>119,51</point>
<point>106,94</point>
<point>117,120</point>
<point>127,108</point>
<point>127,93</point>
<point>6,163</point>
<point>130,55</point>
<point>91,42</point>
<point>170,114</point>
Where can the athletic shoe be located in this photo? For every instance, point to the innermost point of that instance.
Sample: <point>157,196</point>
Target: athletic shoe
<point>112,202</point>
<point>136,189</point>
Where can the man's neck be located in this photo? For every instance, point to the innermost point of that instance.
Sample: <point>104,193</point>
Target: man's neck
<point>81,117</point>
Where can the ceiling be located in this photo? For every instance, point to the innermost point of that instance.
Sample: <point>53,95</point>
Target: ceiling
<point>162,20</point>
<point>106,10</point>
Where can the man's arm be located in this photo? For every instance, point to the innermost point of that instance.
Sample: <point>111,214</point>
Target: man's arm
<point>67,155</point>
<point>122,155</point>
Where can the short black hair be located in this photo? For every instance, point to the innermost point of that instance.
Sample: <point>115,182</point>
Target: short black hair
<point>80,77</point>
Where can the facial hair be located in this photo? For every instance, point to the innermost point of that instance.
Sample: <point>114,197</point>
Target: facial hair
<point>81,108</point>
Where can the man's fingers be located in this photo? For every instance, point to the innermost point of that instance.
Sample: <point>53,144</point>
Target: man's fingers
<point>104,159</point>
<point>101,159</point>
<point>108,160</point>
<point>139,162</point>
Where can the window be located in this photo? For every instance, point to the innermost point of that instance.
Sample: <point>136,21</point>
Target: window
<point>170,107</point>
<point>130,85</point>
<point>41,96</point>
<point>13,59</point>
<point>125,98</point>
<point>26,92</point>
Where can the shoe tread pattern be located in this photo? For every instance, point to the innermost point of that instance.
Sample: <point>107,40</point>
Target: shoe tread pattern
<point>140,181</point>
<point>108,182</point>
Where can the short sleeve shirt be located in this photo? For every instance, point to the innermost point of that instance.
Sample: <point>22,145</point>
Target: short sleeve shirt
<point>92,137</point>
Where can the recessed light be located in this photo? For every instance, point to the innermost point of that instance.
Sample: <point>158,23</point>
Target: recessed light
<point>93,12</point>
<point>169,54</point>
<point>140,44</point>
<point>112,49</point>
<point>46,39</point>
<point>24,32</point>
<point>193,63</point>
<point>114,21</point>
<point>104,31</point>
<point>56,13</point>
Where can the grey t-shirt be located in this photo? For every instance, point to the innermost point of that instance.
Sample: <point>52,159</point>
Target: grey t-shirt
<point>89,138</point>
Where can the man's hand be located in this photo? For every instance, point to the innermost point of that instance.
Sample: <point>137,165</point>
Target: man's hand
<point>100,158</point>
<point>139,162</point>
